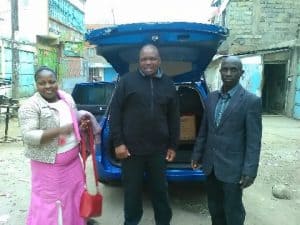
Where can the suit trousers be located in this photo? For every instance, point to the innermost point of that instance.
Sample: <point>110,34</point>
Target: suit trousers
<point>134,170</point>
<point>225,202</point>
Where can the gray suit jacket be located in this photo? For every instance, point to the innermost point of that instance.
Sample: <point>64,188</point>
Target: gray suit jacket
<point>232,149</point>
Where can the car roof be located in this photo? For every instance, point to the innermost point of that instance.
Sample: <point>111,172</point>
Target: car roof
<point>183,42</point>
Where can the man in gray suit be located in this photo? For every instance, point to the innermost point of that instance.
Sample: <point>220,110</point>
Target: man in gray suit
<point>228,145</point>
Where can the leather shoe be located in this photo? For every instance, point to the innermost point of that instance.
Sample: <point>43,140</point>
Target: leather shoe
<point>92,222</point>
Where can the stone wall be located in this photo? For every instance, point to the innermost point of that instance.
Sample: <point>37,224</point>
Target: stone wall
<point>260,24</point>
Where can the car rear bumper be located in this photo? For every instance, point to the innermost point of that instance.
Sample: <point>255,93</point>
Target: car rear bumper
<point>108,172</point>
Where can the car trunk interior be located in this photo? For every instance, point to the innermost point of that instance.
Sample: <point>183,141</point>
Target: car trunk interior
<point>191,111</point>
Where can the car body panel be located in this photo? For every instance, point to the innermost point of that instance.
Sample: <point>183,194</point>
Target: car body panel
<point>182,41</point>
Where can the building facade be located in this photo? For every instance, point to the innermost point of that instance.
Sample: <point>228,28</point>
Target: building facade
<point>265,34</point>
<point>36,33</point>
<point>99,68</point>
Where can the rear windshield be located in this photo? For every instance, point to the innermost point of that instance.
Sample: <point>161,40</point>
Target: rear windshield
<point>97,94</point>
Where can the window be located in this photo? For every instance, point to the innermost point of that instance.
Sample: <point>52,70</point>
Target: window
<point>96,94</point>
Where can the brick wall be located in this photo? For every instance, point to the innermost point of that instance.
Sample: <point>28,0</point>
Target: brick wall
<point>259,24</point>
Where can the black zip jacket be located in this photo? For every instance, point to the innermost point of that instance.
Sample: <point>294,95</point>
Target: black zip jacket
<point>145,114</point>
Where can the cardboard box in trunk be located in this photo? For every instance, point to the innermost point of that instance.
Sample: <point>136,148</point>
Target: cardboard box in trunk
<point>187,127</point>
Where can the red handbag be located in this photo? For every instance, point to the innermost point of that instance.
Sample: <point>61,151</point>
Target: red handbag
<point>90,205</point>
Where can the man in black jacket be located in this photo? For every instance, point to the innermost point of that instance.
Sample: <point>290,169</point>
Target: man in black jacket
<point>228,144</point>
<point>144,125</point>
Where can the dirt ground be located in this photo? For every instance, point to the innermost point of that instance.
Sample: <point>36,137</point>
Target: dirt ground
<point>279,164</point>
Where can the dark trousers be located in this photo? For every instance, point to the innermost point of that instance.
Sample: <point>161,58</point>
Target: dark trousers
<point>133,170</point>
<point>225,202</point>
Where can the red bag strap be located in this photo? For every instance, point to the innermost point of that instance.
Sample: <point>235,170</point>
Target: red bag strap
<point>83,144</point>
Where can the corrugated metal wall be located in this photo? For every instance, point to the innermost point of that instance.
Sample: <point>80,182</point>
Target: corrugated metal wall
<point>5,65</point>
<point>26,73</point>
<point>252,77</point>
<point>25,69</point>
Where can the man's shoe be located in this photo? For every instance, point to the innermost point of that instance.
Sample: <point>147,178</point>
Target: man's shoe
<point>92,222</point>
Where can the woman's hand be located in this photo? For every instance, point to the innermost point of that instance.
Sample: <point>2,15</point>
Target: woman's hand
<point>84,123</point>
<point>57,132</point>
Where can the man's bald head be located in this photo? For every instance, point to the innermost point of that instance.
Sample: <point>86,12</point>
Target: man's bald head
<point>231,70</point>
<point>149,47</point>
<point>233,59</point>
<point>149,60</point>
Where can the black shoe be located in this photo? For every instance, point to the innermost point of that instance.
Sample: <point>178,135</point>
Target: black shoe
<point>92,222</point>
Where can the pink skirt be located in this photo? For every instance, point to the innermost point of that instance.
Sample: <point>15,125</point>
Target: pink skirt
<point>56,190</point>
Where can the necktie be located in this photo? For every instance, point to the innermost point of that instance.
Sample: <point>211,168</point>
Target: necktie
<point>221,106</point>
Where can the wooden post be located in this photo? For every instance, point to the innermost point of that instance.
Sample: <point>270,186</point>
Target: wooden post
<point>14,49</point>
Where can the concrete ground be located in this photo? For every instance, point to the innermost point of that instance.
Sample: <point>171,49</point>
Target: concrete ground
<point>279,165</point>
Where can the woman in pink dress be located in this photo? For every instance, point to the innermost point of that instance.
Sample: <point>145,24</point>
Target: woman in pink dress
<point>51,136</point>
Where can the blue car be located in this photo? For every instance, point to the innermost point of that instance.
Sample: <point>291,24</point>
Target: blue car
<point>186,49</point>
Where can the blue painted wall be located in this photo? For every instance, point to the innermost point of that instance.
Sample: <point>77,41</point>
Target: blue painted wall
<point>25,69</point>
<point>26,73</point>
<point>67,84</point>
<point>252,78</point>
<point>297,96</point>
<point>7,56</point>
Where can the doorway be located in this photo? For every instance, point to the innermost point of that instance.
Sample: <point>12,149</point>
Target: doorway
<point>274,88</point>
